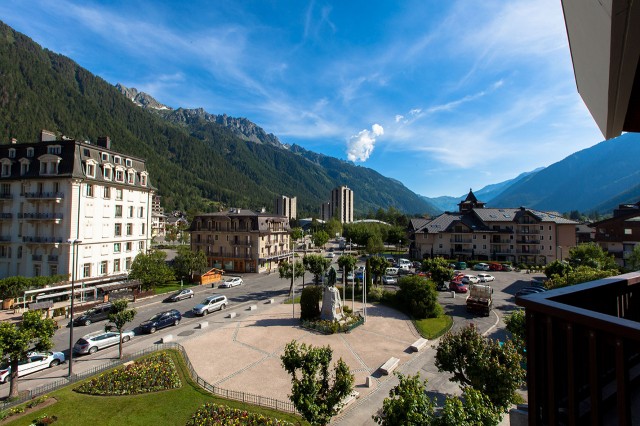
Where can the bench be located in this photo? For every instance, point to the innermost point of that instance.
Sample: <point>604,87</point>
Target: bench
<point>348,400</point>
<point>419,344</point>
<point>270,301</point>
<point>167,338</point>
<point>252,308</point>
<point>390,365</point>
<point>203,324</point>
<point>231,315</point>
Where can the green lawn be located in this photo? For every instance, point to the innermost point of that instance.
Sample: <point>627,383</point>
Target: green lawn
<point>432,328</point>
<point>171,287</point>
<point>172,407</point>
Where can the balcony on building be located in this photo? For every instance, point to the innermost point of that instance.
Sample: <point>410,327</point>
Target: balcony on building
<point>55,217</point>
<point>5,216</point>
<point>5,196</point>
<point>583,353</point>
<point>44,196</point>
<point>41,240</point>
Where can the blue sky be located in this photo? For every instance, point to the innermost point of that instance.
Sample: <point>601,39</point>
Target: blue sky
<point>441,95</point>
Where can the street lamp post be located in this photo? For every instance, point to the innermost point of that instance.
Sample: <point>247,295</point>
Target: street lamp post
<point>74,255</point>
<point>560,247</point>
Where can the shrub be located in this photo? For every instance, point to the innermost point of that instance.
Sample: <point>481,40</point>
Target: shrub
<point>418,298</point>
<point>214,414</point>
<point>375,294</point>
<point>310,302</point>
<point>45,420</point>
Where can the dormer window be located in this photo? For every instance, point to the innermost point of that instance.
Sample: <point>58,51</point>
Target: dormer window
<point>54,149</point>
<point>49,164</point>
<point>107,173</point>
<point>143,179</point>
<point>104,156</point>
<point>119,175</point>
<point>29,152</point>
<point>12,153</point>
<point>6,167</point>
<point>127,162</point>
<point>117,159</point>
<point>91,169</point>
<point>131,177</point>
<point>24,166</point>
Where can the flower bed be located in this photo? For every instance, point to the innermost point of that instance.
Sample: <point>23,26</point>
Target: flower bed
<point>155,373</point>
<point>211,414</point>
<point>330,327</point>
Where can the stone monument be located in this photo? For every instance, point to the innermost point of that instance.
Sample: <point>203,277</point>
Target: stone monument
<point>331,302</point>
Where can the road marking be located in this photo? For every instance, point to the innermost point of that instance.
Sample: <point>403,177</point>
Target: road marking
<point>494,324</point>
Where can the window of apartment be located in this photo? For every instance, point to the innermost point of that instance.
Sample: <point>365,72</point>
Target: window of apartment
<point>142,229</point>
<point>106,192</point>
<point>36,270</point>
<point>474,246</point>
<point>89,190</point>
<point>19,252</point>
<point>439,245</point>
<point>6,168</point>
<point>140,211</point>
<point>24,167</point>
<point>541,237</point>
<point>91,170</point>
<point>119,175</point>
<point>130,211</point>
<point>118,210</point>
<point>130,178</point>
<point>49,167</point>
<point>12,153</point>
<point>86,270</point>
<point>129,229</point>
<point>550,248</point>
<point>143,179</point>
<point>53,269</point>
<point>627,231</point>
<point>127,263</point>
<point>484,237</point>
<point>86,152</point>
<point>104,156</point>
<point>107,173</point>
<point>29,152</point>
<point>104,265</point>
<point>117,159</point>
<point>127,162</point>
<point>118,194</point>
<point>141,245</point>
<point>54,149</point>
<point>128,246</point>
<point>118,230</point>
<point>116,265</point>
<point>116,247</point>
<point>549,227</point>
<point>484,246</point>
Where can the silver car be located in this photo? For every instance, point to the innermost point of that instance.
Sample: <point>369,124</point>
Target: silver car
<point>35,361</point>
<point>91,343</point>
<point>230,282</point>
<point>212,303</point>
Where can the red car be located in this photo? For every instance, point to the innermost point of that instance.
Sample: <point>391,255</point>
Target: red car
<point>458,287</point>
<point>495,267</point>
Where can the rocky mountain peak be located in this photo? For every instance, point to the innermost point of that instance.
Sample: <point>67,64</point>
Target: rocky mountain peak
<point>141,99</point>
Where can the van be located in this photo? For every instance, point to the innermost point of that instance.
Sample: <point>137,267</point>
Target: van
<point>391,271</point>
<point>404,263</point>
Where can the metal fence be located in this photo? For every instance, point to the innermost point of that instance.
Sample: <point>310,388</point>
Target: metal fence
<point>244,397</point>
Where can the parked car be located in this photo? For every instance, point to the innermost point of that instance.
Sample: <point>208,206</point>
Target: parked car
<point>460,265</point>
<point>457,287</point>
<point>91,343</point>
<point>95,314</point>
<point>389,280</point>
<point>35,361</point>
<point>470,279</point>
<point>187,293</point>
<point>481,267</point>
<point>442,286</point>
<point>495,267</point>
<point>485,278</point>
<point>230,282</point>
<point>530,290</point>
<point>215,302</point>
<point>404,263</point>
<point>391,271</point>
<point>161,320</point>
<point>417,264</point>
<point>506,267</point>
<point>330,255</point>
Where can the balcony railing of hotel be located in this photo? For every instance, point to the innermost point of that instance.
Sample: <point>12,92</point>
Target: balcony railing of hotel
<point>5,238</point>
<point>51,240</point>
<point>583,353</point>
<point>528,231</point>
<point>5,196</point>
<point>6,215</point>
<point>524,241</point>
<point>53,258</point>
<point>462,250</point>
<point>501,241</point>
<point>460,241</point>
<point>43,216</point>
<point>241,243</point>
<point>44,195</point>
<point>36,257</point>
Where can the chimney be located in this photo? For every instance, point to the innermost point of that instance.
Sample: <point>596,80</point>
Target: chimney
<point>47,136</point>
<point>14,141</point>
<point>104,141</point>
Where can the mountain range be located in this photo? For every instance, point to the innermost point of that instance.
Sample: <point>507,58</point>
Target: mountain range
<point>203,161</point>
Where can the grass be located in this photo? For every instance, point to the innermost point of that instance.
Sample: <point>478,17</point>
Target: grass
<point>172,407</point>
<point>171,287</point>
<point>295,300</point>
<point>431,328</point>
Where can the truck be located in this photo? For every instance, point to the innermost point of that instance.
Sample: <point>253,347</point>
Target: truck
<point>480,299</point>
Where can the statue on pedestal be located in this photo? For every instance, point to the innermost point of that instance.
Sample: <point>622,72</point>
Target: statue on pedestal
<point>331,302</point>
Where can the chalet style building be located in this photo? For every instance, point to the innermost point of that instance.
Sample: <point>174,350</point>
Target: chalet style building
<point>241,240</point>
<point>621,233</point>
<point>61,196</point>
<point>518,235</point>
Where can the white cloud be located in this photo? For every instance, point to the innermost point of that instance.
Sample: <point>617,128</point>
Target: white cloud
<point>360,146</point>
<point>399,118</point>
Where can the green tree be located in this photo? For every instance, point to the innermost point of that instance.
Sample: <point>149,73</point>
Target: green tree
<point>151,269</point>
<point>418,297</point>
<point>557,268</point>
<point>312,392</point>
<point>120,316</point>
<point>396,235</point>
<point>296,233</point>
<point>347,263</point>
<point>473,409</point>
<point>310,302</point>
<point>333,227</point>
<point>286,269</point>
<point>633,261</point>
<point>374,244</point>
<point>593,256</point>
<point>187,262</point>
<point>516,325</point>
<point>33,333</point>
<point>378,266</point>
<point>171,233</point>
<point>483,364</point>
<point>581,274</point>
<point>317,265</point>
<point>320,238</point>
<point>408,404</point>
<point>439,269</point>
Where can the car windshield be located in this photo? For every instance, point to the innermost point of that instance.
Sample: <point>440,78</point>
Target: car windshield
<point>206,301</point>
<point>82,342</point>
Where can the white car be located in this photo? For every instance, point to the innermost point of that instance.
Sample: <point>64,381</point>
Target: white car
<point>330,255</point>
<point>485,278</point>
<point>389,280</point>
<point>91,343</point>
<point>35,361</point>
<point>470,279</point>
<point>481,267</point>
<point>231,282</point>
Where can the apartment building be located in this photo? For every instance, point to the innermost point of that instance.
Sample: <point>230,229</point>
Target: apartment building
<point>56,191</point>
<point>475,232</point>
<point>158,218</point>
<point>286,206</point>
<point>241,240</point>
<point>340,206</point>
<point>620,234</point>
